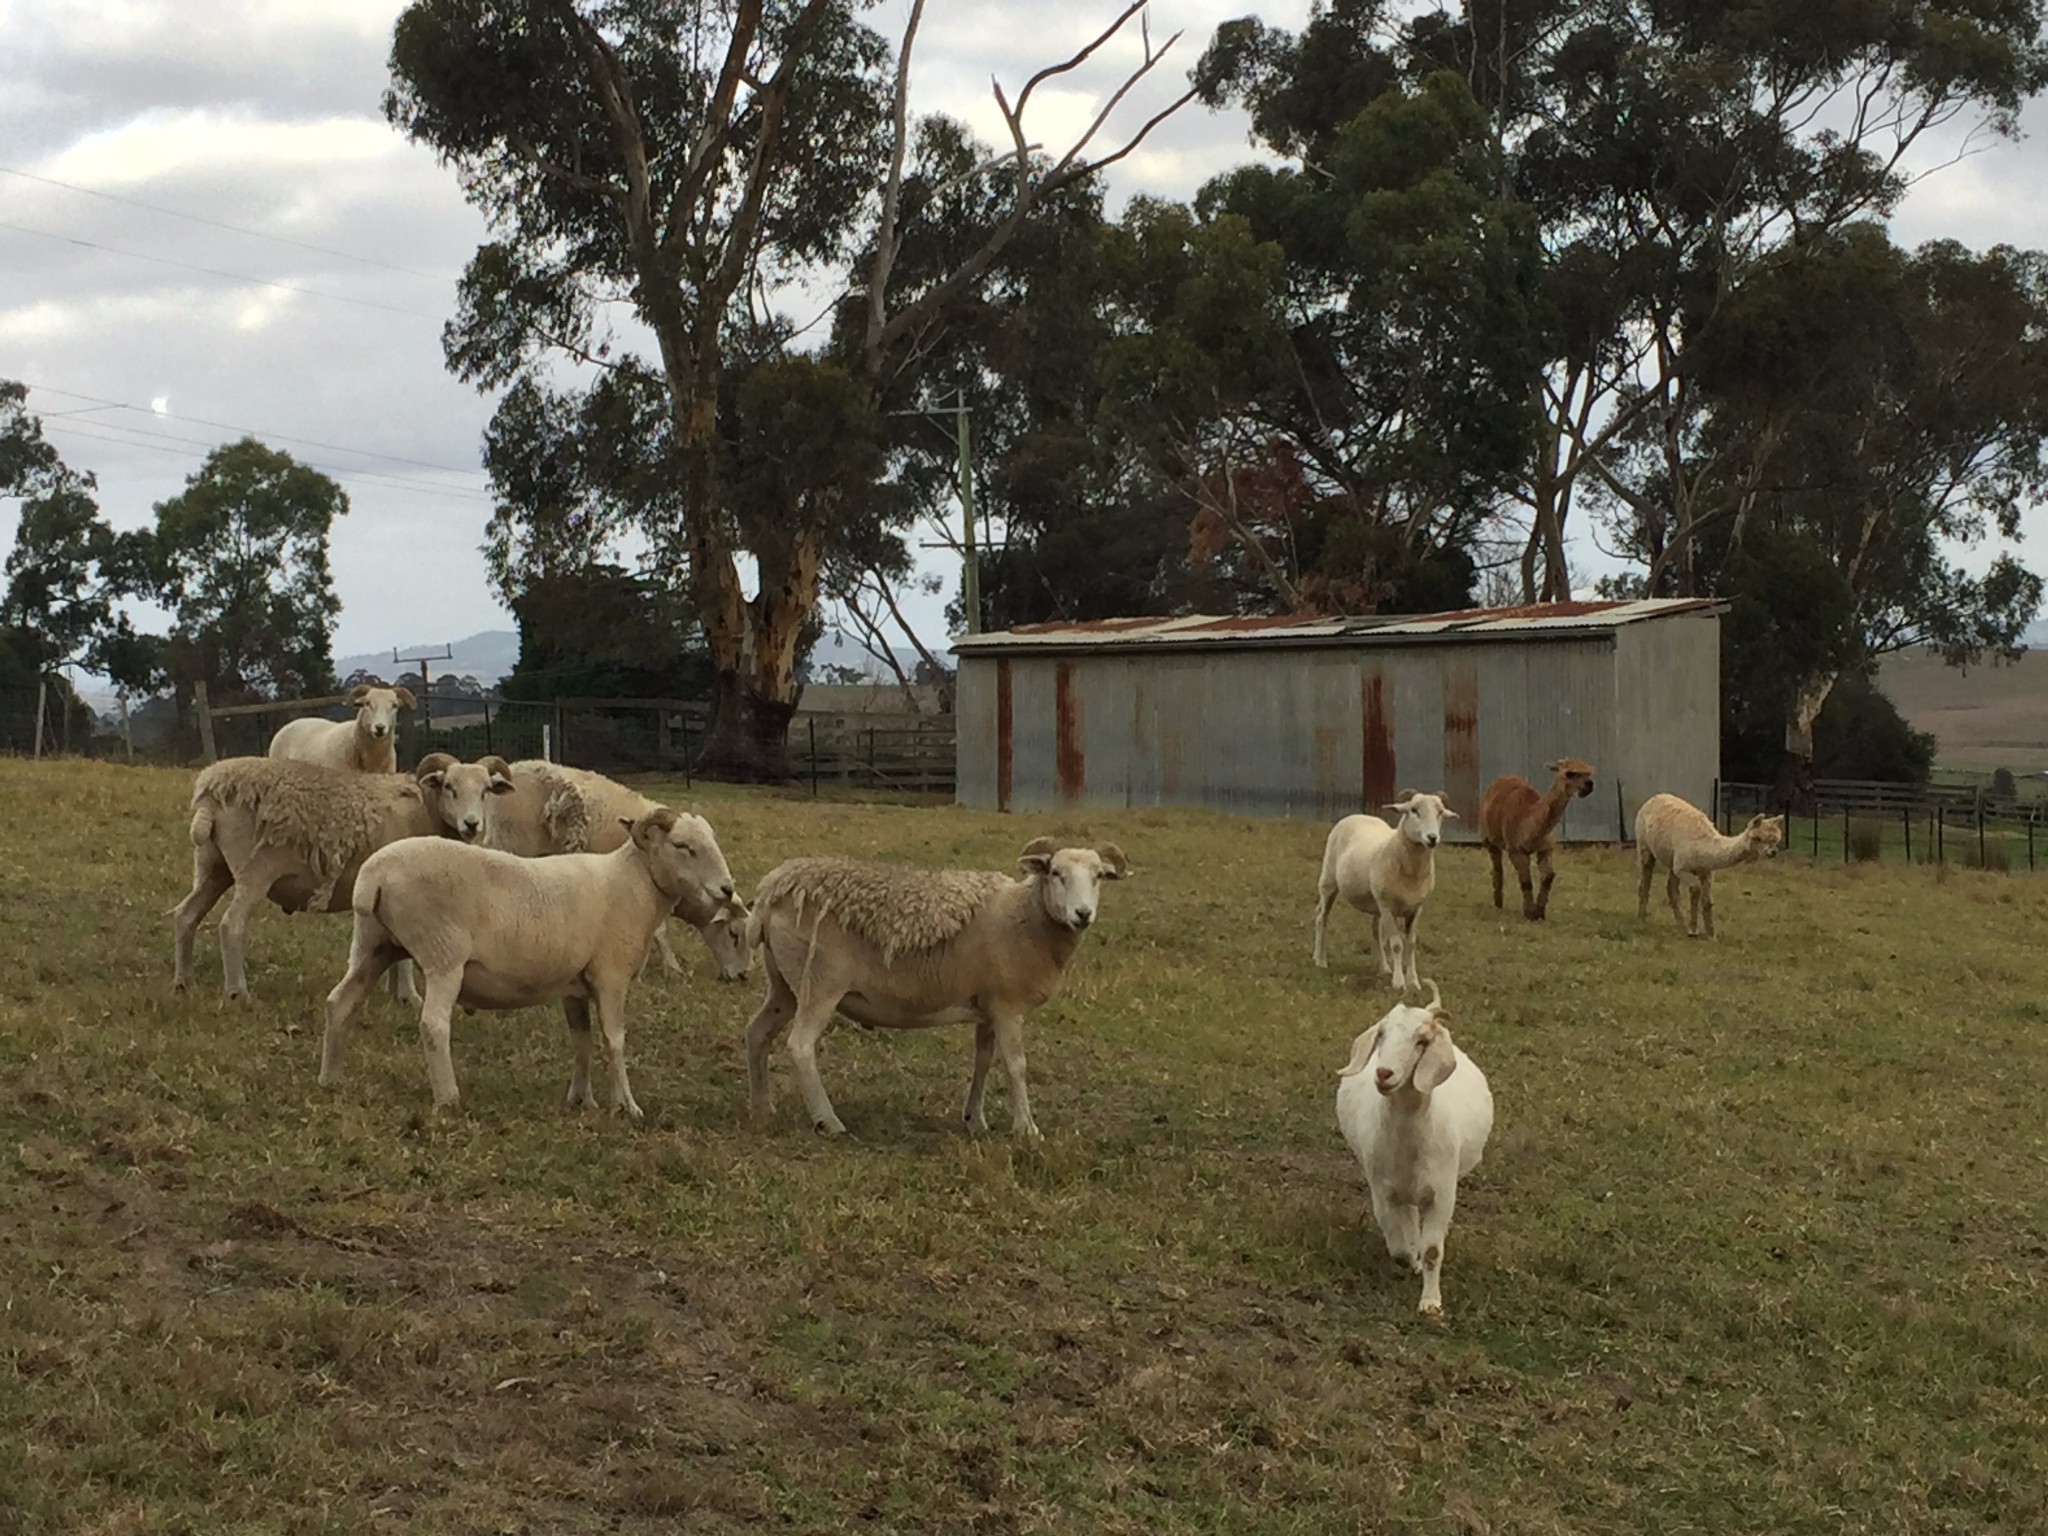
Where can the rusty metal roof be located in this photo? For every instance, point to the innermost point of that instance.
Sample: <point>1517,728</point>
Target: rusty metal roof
<point>1533,621</point>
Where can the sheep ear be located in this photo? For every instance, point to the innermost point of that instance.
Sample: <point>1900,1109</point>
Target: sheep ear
<point>1439,1059</point>
<point>1361,1052</point>
<point>1114,865</point>
<point>1451,815</point>
<point>405,698</point>
<point>360,692</point>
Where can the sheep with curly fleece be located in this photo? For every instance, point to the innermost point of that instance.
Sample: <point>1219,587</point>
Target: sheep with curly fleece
<point>296,834</point>
<point>895,947</point>
<point>1678,835</point>
<point>555,809</point>
<point>366,744</point>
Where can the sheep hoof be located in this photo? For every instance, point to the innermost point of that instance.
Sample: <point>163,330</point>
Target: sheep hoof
<point>1433,1310</point>
<point>828,1128</point>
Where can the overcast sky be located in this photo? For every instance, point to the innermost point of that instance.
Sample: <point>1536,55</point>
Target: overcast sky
<point>150,334</point>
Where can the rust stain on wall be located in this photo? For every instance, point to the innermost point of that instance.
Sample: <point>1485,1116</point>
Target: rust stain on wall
<point>1070,761</point>
<point>1003,734</point>
<point>1376,716</point>
<point>1461,736</point>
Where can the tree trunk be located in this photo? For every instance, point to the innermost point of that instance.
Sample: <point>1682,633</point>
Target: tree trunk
<point>1793,789</point>
<point>753,701</point>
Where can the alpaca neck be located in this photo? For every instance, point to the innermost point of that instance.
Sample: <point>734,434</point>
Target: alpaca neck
<point>1718,852</point>
<point>1552,807</point>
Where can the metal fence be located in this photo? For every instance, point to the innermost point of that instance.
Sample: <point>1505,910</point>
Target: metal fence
<point>1862,821</point>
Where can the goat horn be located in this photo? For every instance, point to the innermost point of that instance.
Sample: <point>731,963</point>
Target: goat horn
<point>1436,998</point>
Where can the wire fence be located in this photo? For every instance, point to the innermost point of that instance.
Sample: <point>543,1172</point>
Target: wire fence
<point>1862,822</point>
<point>894,754</point>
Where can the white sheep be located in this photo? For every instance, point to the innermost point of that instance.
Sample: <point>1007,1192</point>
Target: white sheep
<point>1678,834</point>
<point>367,744</point>
<point>296,834</point>
<point>1417,1124</point>
<point>493,931</point>
<point>1386,872</point>
<point>555,809</point>
<point>894,947</point>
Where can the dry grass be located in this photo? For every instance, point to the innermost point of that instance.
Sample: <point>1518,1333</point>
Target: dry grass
<point>1984,716</point>
<point>1758,1245</point>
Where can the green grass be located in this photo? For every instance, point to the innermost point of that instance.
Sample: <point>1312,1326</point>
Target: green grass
<point>1758,1244</point>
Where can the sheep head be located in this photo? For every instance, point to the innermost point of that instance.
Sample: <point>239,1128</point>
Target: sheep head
<point>1420,817</point>
<point>684,857</point>
<point>377,708</point>
<point>1069,879</point>
<point>458,792</point>
<point>1766,834</point>
<point>726,937</point>
<point>1408,1046</point>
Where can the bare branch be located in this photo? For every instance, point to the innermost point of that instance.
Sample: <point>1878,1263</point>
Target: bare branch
<point>888,239</point>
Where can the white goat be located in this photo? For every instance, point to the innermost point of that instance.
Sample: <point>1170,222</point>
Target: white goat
<point>554,809</point>
<point>1417,1125</point>
<point>893,947</point>
<point>493,931</point>
<point>297,833</point>
<point>367,744</point>
<point>1386,872</point>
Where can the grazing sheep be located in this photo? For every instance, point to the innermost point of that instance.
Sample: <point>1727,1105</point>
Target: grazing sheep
<point>1515,820</point>
<point>298,832</point>
<point>367,744</point>
<point>490,930</point>
<point>554,809</point>
<point>1385,872</point>
<point>1417,1125</point>
<point>892,947</point>
<point>1678,835</point>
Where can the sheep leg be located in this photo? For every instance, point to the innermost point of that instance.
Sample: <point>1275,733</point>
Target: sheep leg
<point>1495,855</point>
<point>437,1012</point>
<point>659,945</point>
<point>1010,1042</point>
<point>1703,899</point>
<point>1521,863</point>
<point>984,1053</point>
<point>403,988</point>
<point>1387,939</point>
<point>1434,1228</point>
<point>250,889</point>
<point>370,952</point>
<point>211,880</point>
<point>776,1010</point>
<point>576,1013</point>
<point>812,1020</point>
<point>1408,948</point>
<point>1326,897</point>
<point>1543,856</point>
<point>1646,873</point>
<point>611,1018</point>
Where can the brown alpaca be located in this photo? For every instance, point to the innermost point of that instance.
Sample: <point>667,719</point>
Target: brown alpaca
<point>1515,820</point>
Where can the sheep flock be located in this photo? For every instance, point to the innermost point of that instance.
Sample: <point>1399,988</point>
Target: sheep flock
<point>507,886</point>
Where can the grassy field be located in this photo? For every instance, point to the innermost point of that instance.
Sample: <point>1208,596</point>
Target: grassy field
<point>1984,716</point>
<point>1759,1244</point>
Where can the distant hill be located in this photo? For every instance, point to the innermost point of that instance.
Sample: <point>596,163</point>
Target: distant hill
<point>1983,717</point>
<point>487,656</point>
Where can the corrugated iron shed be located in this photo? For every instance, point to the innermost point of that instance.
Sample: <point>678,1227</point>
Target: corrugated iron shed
<point>1314,716</point>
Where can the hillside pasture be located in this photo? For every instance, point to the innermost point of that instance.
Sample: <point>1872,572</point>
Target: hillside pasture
<point>1759,1244</point>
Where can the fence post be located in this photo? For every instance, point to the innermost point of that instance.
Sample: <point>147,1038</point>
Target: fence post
<point>561,740</point>
<point>1816,829</point>
<point>489,748</point>
<point>688,782</point>
<point>127,731</point>
<point>2030,840</point>
<point>1980,832</point>
<point>204,707</point>
<point>813,724</point>
<point>1906,816</point>
<point>1940,833</point>
<point>1620,815</point>
<point>547,742</point>
<point>42,692</point>
<point>663,744</point>
<point>1845,833</point>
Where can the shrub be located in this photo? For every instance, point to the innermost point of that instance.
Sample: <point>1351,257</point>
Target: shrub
<point>1993,857</point>
<point>1866,841</point>
<point>2002,784</point>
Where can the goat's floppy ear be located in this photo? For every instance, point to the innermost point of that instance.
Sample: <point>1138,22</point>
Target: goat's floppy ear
<point>1361,1052</point>
<point>360,692</point>
<point>1439,1059</point>
<point>1114,865</point>
<point>405,698</point>
<point>1036,858</point>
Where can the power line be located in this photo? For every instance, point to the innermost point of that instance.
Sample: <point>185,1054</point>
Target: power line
<point>229,426</point>
<point>239,229</point>
<point>239,277</point>
<point>189,445</point>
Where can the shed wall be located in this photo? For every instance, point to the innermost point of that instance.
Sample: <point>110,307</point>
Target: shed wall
<point>1668,706</point>
<point>1313,733</point>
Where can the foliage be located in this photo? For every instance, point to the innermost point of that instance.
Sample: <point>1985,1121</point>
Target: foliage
<point>1858,734</point>
<point>28,674</point>
<point>1172,1318</point>
<point>602,632</point>
<point>240,558</point>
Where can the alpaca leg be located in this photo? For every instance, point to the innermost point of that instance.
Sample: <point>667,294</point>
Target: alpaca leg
<point>1646,874</point>
<point>1671,894</point>
<point>1495,854</point>
<point>1706,899</point>
<point>1521,863</point>
<point>1549,876</point>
